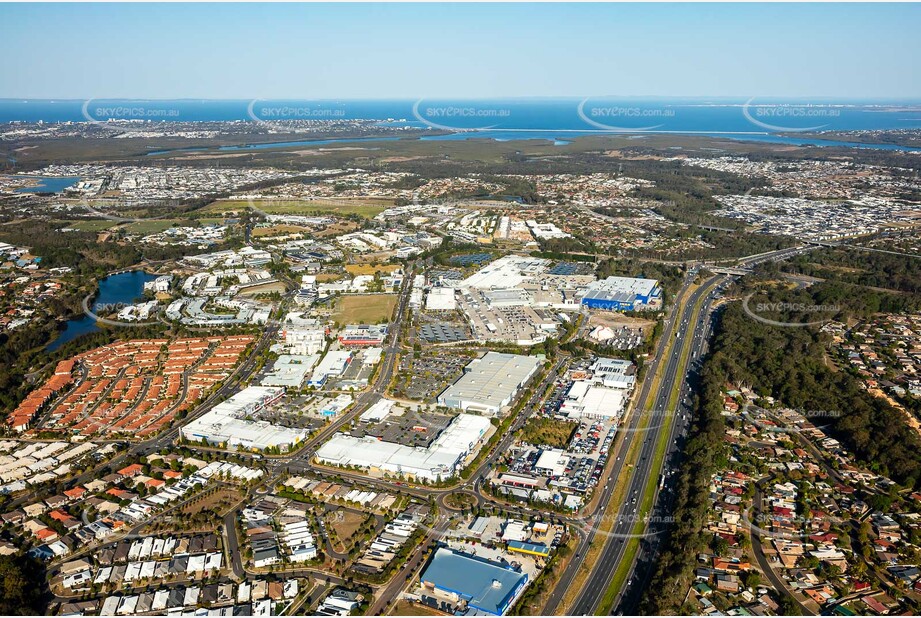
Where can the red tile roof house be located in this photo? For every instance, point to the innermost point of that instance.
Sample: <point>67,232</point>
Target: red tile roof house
<point>828,537</point>
<point>132,470</point>
<point>59,515</point>
<point>730,565</point>
<point>67,520</point>
<point>75,493</point>
<point>883,543</point>
<point>46,534</point>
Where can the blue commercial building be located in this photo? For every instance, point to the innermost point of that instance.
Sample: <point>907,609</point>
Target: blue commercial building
<point>485,586</point>
<point>622,294</point>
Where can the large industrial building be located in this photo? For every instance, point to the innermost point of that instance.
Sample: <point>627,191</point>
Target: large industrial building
<point>333,364</point>
<point>614,373</point>
<point>290,371</point>
<point>605,394</point>
<point>506,272</point>
<point>622,294</point>
<point>226,423</point>
<point>482,585</point>
<point>589,401</point>
<point>439,461</point>
<point>441,299</point>
<point>363,334</point>
<point>490,383</point>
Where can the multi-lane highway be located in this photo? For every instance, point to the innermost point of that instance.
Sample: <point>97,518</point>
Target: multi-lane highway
<point>661,417</point>
<point>619,465</point>
<point>688,330</point>
<point>659,518</point>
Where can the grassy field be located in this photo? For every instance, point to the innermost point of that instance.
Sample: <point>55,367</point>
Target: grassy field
<point>364,308</point>
<point>365,207</point>
<point>547,431</point>
<point>345,524</point>
<point>267,288</point>
<point>369,269</point>
<point>343,226</point>
<point>275,230</point>
<point>152,226</point>
<point>219,501</point>
<point>90,225</point>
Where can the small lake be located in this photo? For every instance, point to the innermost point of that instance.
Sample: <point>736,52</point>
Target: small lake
<point>123,288</point>
<point>49,184</point>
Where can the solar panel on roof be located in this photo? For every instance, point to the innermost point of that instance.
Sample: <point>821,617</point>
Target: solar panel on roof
<point>472,258</point>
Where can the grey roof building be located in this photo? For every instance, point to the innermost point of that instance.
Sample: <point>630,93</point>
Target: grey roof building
<point>490,383</point>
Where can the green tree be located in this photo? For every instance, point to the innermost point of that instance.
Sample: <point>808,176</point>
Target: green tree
<point>21,586</point>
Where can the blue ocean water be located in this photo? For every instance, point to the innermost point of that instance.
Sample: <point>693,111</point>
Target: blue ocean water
<point>557,120</point>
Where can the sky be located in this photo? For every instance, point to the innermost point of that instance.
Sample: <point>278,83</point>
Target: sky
<point>380,51</point>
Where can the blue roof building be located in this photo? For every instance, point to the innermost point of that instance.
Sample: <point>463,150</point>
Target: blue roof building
<point>485,586</point>
<point>622,294</point>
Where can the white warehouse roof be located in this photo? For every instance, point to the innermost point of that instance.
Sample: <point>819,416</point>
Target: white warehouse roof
<point>490,382</point>
<point>440,459</point>
<point>441,299</point>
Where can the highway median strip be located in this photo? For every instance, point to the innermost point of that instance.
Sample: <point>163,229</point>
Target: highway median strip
<point>609,514</point>
<point>633,542</point>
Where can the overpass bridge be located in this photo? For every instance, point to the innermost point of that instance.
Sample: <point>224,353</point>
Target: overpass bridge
<point>727,270</point>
